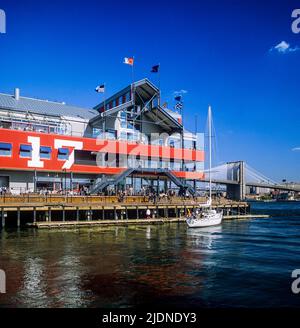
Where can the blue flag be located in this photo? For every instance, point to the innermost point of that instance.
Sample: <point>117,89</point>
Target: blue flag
<point>155,69</point>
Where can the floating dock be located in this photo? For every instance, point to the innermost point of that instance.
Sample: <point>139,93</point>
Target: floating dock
<point>84,224</point>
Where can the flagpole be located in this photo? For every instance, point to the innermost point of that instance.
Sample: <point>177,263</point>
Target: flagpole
<point>104,101</point>
<point>159,81</point>
<point>132,77</point>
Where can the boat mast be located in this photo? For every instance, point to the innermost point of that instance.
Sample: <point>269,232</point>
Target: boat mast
<point>209,136</point>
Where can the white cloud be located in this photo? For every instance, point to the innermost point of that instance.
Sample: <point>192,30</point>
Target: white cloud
<point>296,149</point>
<point>283,47</point>
<point>180,92</point>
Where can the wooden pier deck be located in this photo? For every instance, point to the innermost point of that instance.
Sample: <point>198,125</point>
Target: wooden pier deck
<point>55,211</point>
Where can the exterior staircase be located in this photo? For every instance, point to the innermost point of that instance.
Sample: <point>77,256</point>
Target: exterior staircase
<point>101,183</point>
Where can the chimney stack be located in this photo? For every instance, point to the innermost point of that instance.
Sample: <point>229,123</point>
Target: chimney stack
<point>17,93</point>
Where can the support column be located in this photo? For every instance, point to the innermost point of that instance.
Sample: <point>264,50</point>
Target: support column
<point>77,214</point>
<point>35,181</point>
<point>18,217</point>
<point>242,181</point>
<point>34,215</point>
<point>2,218</point>
<point>49,214</point>
<point>236,173</point>
<point>71,181</point>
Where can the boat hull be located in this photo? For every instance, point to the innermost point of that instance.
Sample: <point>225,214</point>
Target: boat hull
<point>204,222</point>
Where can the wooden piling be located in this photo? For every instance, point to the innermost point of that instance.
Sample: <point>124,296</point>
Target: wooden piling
<point>34,215</point>
<point>18,217</point>
<point>77,214</point>
<point>2,219</point>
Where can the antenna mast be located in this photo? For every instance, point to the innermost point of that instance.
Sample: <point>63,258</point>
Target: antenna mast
<point>209,136</point>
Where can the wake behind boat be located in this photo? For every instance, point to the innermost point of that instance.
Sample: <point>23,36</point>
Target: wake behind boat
<point>205,216</point>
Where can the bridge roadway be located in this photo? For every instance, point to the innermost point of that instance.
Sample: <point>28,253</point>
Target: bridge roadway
<point>255,184</point>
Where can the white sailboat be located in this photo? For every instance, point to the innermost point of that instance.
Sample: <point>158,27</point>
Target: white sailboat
<point>205,216</point>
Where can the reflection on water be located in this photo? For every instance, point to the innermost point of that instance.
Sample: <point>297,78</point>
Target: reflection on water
<point>204,237</point>
<point>241,263</point>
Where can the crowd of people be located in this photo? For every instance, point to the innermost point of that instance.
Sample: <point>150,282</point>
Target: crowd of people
<point>4,191</point>
<point>150,192</point>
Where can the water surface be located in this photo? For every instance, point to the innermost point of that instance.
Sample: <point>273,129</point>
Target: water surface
<point>243,263</point>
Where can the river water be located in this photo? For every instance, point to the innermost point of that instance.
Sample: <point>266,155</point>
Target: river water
<point>243,263</point>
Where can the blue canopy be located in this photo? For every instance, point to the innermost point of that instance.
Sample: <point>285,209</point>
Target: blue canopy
<point>26,148</point>
<point>5,146</point>
<point>45,150</point>
<point>63,151</point>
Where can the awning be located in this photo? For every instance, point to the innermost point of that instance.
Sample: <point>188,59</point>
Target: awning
<point>63,151</point>
<point>45,150</point>
<point>5,146</point>
<point>27,148</point>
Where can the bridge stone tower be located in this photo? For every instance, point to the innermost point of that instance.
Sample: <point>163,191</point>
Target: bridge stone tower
<point>236,172</point>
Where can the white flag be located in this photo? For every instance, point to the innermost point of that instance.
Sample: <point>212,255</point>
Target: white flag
<point>100,88</point>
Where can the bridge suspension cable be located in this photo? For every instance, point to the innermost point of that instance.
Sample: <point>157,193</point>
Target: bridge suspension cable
<point>259,177</point>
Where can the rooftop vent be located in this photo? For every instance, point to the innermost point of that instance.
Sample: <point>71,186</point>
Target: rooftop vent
<point>17,93</point>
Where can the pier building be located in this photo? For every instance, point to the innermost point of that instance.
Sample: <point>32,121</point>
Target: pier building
<point>129,140</point>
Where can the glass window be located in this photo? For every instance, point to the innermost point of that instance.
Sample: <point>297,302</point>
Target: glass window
<point>123,119</point>
<point>5,149</point>
<point>123,115</point>
<point>199,166</point>
<point>130,125</point>
<point>130,137</point>
<point>110,134</point>
<point>45,152</point>
<point>123,136</point>
<point>188,144</point>
<point>96,132</point>
<point>127,97</point>
<point>26,151</point>
<point>63,153</point>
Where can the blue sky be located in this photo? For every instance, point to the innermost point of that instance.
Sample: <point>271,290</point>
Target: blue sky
<point>218,51</point>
